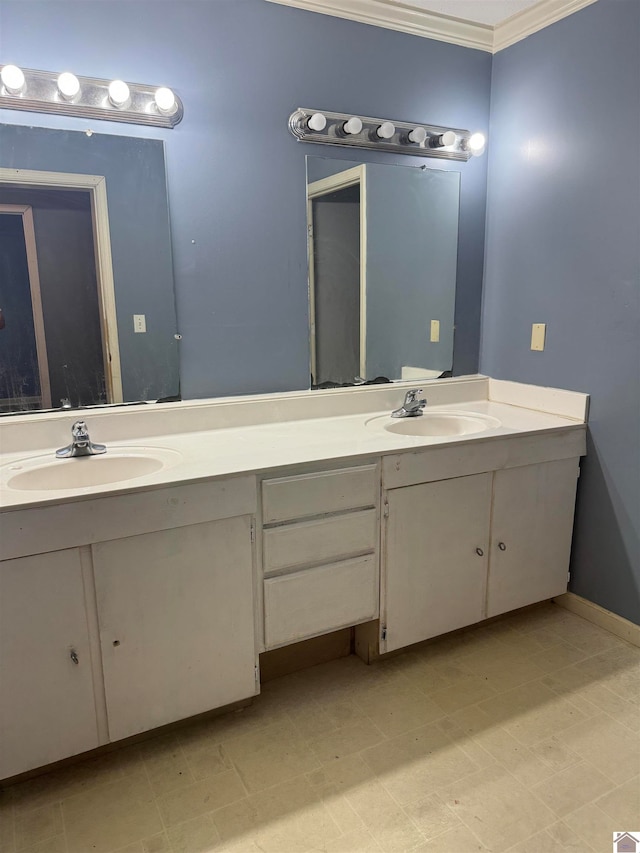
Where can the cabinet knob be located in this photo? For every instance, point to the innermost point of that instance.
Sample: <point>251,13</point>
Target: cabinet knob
<point>479,552</point>
<point>73,654</point>
<point>502,546</point>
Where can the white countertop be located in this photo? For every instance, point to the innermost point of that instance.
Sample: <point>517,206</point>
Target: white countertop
<point>232,451</point>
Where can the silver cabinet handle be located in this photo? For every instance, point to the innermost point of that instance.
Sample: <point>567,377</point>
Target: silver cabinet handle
<point>479,552</point>
<point>502,546</point>
<point>73,654</point>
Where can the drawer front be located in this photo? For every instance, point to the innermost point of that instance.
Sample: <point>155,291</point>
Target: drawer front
<point>288,498</point>
<point>315,601</point>
<point>321,541</point>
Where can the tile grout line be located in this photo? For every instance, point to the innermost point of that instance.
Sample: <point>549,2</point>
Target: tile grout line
<point>155,801</point>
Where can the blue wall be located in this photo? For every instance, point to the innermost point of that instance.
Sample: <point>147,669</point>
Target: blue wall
<point>563,211</point>
<point>236,175</point>
<point>562,248</point>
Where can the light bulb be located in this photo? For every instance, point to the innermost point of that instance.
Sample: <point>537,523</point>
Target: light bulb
<point>12,79</point>
<point>118,93</point>
<point>476,143</point>
<point>317,122</point>
<point>418,135</point>
<point>353,125</point>
<point>386,130</point>
<point>68,85</point>
<point>165,100</point>
<point>441,140</point>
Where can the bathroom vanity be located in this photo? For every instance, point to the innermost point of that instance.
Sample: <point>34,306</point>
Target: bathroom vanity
<point>128,604</point>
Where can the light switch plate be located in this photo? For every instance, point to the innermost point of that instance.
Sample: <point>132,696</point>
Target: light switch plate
<point>139,323</point>
<point>538,333</point>
<point>435,331</point>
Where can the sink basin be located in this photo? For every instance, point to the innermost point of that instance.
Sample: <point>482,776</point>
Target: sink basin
<point>45,473</point>
<point>435,424</point>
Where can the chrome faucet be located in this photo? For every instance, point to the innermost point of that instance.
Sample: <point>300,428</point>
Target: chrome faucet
<point>81,444</point>
<point>412,406</point>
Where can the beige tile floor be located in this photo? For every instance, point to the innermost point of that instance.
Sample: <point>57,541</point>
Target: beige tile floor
<point>522,735</point>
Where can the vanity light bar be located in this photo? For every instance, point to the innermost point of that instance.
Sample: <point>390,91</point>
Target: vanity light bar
<point>88,97</point>
<point>422,140</point>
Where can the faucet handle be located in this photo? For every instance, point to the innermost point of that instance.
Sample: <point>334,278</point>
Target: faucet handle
<point>412,395</point>
<point>79,430</point>
<point>81,444</point>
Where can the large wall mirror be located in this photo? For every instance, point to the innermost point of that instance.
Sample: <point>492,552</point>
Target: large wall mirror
<point>383,243</point>
<point>87,308</point>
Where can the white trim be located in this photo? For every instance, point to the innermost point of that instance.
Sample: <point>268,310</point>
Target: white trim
<point>611,622</point>
<point>402,17</point>
<point>335,182</point>
<point>96,186</point>
<point>311,266</point>
<point>410,19</point>
<point>534,18</point>
<point>106,292</point>
<point>363,272</point>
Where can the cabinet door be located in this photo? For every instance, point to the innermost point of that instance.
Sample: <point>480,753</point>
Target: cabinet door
<point>531,528</point>
<point>176,618</point>
<point>436,554</point>
<point>47,706</point>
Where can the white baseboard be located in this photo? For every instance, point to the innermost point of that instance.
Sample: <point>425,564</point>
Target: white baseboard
<point>611,622</point>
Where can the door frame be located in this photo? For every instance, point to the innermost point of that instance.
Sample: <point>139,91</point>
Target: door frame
<point>26,213</point>
<point>96,186</point>
<point>356,176</point>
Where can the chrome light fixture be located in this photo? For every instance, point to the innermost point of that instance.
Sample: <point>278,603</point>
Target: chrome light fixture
<point>423,140</point>
<point>88,97</point>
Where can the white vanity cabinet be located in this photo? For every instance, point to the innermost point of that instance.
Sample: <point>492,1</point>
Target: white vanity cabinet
<point>320,534</point>
<point>47,704</point>
<point>436,547</point>
<point>149,619</point>
<point>531,528</point>
<point>175,611</point>
<point>456,551</point>
<point>127,609</point>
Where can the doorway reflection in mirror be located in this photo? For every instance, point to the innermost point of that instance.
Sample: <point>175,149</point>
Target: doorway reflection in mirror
<point>382,243</point>
<point>99,257</point>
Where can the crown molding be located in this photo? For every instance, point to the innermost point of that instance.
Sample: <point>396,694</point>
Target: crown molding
<point>402,17</point>
<point>410,19</point>
<point>535,18</point>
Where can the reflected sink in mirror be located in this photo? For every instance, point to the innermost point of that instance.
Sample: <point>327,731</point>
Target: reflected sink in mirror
<point>118,466</point>
<point>435,424</point>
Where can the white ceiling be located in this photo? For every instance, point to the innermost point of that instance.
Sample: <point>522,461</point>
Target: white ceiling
<point>479,11</point>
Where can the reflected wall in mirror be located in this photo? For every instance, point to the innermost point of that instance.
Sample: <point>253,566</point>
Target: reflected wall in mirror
<point>86,276</point>
<point>383,244</point>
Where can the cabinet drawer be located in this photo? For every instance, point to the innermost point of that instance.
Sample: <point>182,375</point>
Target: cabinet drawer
<point>315,601</point>
<point>288,498</point>
<point>321,541</point>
